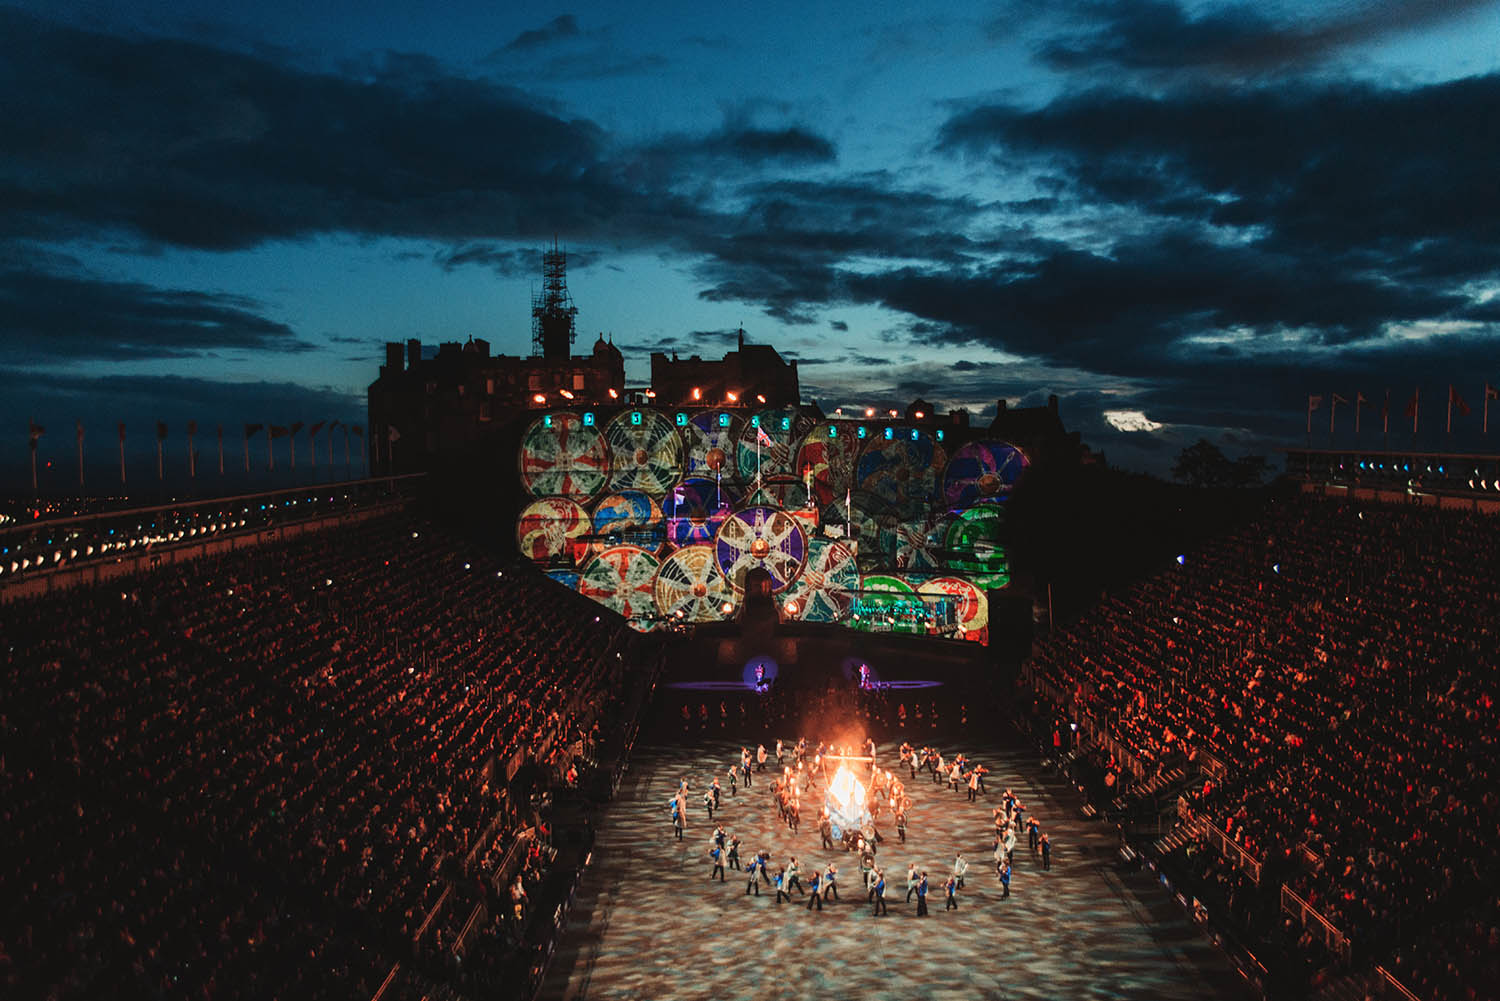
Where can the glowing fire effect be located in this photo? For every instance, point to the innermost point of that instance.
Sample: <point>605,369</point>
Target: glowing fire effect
<point>847,793</point>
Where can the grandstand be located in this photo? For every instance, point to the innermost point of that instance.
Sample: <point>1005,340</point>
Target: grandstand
<point>322,744</point>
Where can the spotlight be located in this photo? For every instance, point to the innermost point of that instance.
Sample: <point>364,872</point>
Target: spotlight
<point>727,607</point>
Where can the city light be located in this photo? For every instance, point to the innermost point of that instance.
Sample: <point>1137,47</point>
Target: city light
<point>567,394</point>
<point>893,413</point>
<point>760,397</point>
<point>697,393</point>
<point>733,398</point>
<point>613,395</point>
<point>539,398</point>
<point>869,411</point>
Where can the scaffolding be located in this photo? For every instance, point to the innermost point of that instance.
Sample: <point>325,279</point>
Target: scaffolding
<point>552,309</point>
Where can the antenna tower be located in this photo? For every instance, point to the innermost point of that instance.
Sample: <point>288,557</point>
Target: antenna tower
<point>552,310</point>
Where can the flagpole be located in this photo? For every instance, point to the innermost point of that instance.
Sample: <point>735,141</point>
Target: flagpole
<point>79,425</point>
<point>246,432</point>
<point>1448,432</point>
<point>270,451</point>
<point>221,449</point>
<point>158,454</point>
<point>348,468</point>
<point>1385,424</point>
<point>192,459</point>
<point>31,432</point>
<point>122,454</point>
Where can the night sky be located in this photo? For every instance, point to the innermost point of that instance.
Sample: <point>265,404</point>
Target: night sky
<point>1181,219</point>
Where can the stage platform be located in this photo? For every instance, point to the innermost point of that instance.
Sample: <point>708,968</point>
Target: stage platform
<point>648,924</point>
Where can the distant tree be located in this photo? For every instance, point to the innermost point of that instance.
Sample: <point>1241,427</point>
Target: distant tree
<point>1249,471</point>
<point>1203,465</point>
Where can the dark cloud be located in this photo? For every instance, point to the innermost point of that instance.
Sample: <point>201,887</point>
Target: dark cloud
<point>564,26</point>
<point>509,261</point>
<point>255,149</point>
<point>1155,35</point>
<point>1385,178</point>
<point>57,316</point>
<point>838,325</point>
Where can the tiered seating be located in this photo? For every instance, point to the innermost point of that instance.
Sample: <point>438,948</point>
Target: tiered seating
<point>254,775</point>
<point>1339,660</point>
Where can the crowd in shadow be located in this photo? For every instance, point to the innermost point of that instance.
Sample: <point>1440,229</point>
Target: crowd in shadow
<point>257,774</point>
<point>1339,661</point>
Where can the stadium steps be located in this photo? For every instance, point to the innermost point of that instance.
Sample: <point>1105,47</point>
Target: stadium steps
<point>1174,839</point>
<point>1355,987</point>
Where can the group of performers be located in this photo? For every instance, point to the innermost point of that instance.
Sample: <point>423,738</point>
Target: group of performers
<point>799,770</point>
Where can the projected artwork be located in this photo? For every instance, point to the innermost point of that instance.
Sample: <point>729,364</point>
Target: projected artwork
<point>645,452</point>
<point>785,430</point>
<point>622,578</point>
<point>562,457</point>
<point>760,537</point>
<point>694,510</point>
<point>982,472</point>
<point>548,529</point>
<point>971,606</point>
<point>632,517</point>
<point>690,588</point>
<point>904,470</point>
<point>875,525</point>
<point>827,458</point>
<point>825,590</point>
<point>711,449</point>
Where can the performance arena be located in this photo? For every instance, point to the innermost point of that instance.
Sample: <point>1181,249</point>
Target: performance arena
<point>336,743</point>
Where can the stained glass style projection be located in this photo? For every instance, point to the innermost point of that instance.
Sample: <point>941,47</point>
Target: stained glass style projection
<point>760,537</point>
<point>690,588</point>
<point>982,472</point>
<point>826,588</point>
<point>622,578</point>
<point>561,457</point>
<point>550,528</point>
<point>645,452</point>
<point>630,517</point>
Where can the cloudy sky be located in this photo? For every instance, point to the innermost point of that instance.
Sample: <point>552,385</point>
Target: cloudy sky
<point>1181,218</point>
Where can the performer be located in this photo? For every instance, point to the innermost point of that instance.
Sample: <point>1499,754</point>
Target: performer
<point>717,854</point>
<point>734,853</point>
<point>760,757</point>
<point>901,825</point>
<point>830,881</point>
<point>708,802</point>
<point>1046,853</point>
<point>715,790</point>
<point>793,878</point>
<point>951,888</point>
<point>1033,833</point>
<point>879,894</point>
<point>1005,881</point>
<point>911,880</point>
<point>973,785</point>
<point>922,897</point>
<point>825,828</point>
<point>815,895</point>
<point>960,869</point>
<point>734,781</point>
<point>781,887</point>
<point>779,750</point>
<point>752,883</point>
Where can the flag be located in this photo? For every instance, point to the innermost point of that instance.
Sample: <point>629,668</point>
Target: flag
<point>1314,401</point>
<point>1413,404</point>
<point>315,428</point>
<point>251,430</point>
<point>121,427</point>
<point>161,430</point>
<point>1490,393</point>
<point>36,431</point>
<point>277,431</point>
<point>335,425</point>
<point>1385,414</point>
<point>1458,402</point>
<point>78,427</point>
<point>1359,402</point>
<point>762,437</point>
<point>358,429</point>
<point>392,434</point>
<point>296,426</point>
<point>1337,399</point>
<point>192,427</point>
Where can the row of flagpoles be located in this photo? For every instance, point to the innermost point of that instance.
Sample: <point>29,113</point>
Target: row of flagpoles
<point>1413,408</point>
<point>273,431</point>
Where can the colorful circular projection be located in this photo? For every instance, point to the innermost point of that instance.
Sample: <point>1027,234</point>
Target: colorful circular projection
<point>632,517</point>
<point>560,457</point>
<point>972,610</point>
<point>622,578</point>
<point>689,582</point>
<point>919,543</point>
<point>645,452</point>
<point>982,472</point>
<point>904,470</point>
<point>694,509</point>
<point>975,543</point>
<point>785,429</point>
<point>548,529</point>
<point>828,454</point>
<point>887,603</point>
<point>760,537</point>
<point>711,437</point>
<point>825,590</point>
